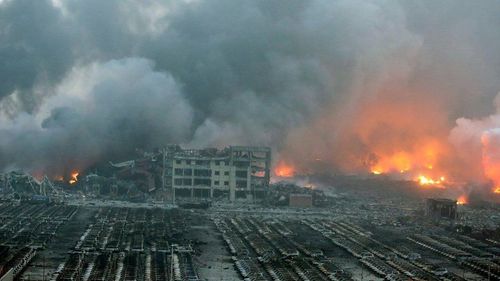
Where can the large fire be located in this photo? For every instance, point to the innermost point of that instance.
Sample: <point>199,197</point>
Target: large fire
<point>284,170</point>
<point>421,179</point>
<point>418,165</point>
<point>387,135</point>
<point>398,162</point>
<point>396,133</point>
<point>74,178</point>
<point>405,131</point>
<point>407,137</point>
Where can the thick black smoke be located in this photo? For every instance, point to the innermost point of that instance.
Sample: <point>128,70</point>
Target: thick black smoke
<point>83,81</point>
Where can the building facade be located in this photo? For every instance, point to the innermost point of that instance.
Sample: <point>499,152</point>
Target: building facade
<point>235,172</point>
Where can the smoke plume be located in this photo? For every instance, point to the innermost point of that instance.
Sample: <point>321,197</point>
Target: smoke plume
<point>343,86</point>
<point>478,143</point>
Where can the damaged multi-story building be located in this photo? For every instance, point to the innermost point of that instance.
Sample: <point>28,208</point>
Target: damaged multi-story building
<point>235,172</point>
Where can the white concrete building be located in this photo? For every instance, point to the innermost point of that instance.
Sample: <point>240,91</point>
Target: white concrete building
<point>236,172</point>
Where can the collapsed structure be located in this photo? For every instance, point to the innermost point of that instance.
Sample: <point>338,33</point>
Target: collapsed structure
<point>235,172</point>
<point>20,184</point>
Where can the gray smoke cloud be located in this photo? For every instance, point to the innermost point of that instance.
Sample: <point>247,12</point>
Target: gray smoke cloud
<point>102,109</point>
<point>84,81</point>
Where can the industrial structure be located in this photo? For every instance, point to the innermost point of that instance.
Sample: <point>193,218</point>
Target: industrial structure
<point>439,208</point>
<point>235,172</point>
<point>17,182</point>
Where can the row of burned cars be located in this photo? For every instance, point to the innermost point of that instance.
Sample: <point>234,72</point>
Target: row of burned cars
<point>26,228</point>
<point>122,243</point>
<point>414,256</point>
<point>31,225</point>
<point>269,250</point>
<point>274,249</point>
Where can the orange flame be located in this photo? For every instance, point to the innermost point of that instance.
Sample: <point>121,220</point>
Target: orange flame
<point>462,200</point>
<point>74,178</point>
<point>410,165</point>
<point>424,180</point>
<point>284,170</point>
<point>405,137</point>
<point>419,162</point>
<point>398,162</point>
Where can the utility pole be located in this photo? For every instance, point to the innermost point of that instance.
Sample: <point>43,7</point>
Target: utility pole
<point>163,170</point>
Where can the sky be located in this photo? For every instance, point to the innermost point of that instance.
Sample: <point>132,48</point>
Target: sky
<point>345,82</point>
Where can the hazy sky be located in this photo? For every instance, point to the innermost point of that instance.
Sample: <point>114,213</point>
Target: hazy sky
<point>88,80</point>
